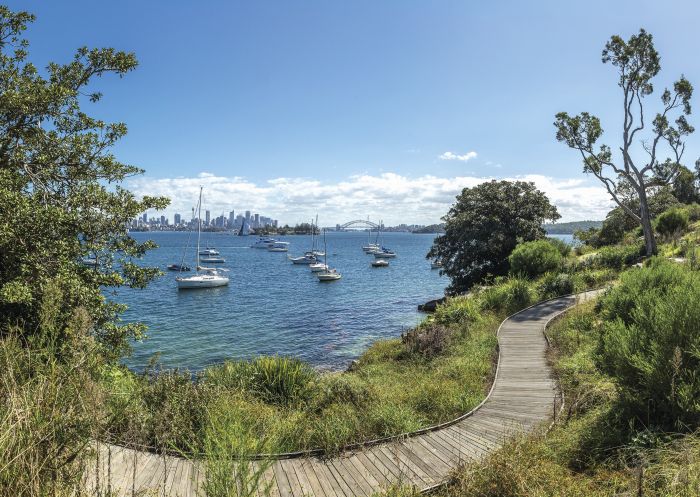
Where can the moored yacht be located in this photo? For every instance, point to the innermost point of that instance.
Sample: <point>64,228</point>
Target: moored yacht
<point>318,266</point>
<point>384,253</point>
<point>209,251</point>
<point>209,277</point>
<point>263,243</point>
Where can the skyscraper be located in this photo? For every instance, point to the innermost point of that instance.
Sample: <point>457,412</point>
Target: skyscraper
<point>145,217</point>
<point>177,219</point>
<point>231,218</point>
<point>163,221</point>
<point>257,221</point>
<point>208,218</point>
<point>247,216</point>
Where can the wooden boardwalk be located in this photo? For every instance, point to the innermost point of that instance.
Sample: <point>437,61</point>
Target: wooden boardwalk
<point>523,395</point>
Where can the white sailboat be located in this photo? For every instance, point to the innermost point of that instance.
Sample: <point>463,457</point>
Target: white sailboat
<point>204,277</point>
<point>327,274</point>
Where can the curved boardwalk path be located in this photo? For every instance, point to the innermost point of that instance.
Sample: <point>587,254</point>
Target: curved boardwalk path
<point>523,395</point>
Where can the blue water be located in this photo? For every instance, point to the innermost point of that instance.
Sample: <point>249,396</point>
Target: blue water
<point>275,307</point>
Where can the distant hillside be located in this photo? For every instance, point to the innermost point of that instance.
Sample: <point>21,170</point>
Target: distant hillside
<point>569,228</point>
<point>433,228</point>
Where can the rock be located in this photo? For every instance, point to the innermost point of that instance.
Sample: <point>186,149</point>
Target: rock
<point>353,365</point>
<point>431,305</point>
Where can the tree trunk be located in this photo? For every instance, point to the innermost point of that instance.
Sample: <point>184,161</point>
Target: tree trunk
<point>647,228</point>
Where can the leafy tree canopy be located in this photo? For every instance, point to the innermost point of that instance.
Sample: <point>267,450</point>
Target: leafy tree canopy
<point>483,227</point>
<point>60,194</point>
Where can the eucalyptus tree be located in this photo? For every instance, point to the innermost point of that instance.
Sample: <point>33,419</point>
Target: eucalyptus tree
<point>61,198</point>
<point>637,63</point>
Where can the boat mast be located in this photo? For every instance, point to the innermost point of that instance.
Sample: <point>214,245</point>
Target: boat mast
<point>199,226</point>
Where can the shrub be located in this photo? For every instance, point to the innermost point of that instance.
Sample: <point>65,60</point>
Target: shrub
<point>510,295</point>
<point>532,259</point>
<point>672,222</point>
<point>563,247</point>
<point>457,310</point>
<point>273,379</point>
<point>693,211</point>
<point>617,257</point>
<point>427,340</point>
<point>650,343</point>
<point>553,285</point>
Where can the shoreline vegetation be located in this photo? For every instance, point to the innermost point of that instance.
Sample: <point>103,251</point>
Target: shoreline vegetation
<point>433,373</point>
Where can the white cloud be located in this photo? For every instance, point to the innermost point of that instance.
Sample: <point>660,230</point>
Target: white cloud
<point>389,196</point>
<point>453,156</point>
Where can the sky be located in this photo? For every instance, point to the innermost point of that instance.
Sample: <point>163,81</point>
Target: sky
<point>384,109</point>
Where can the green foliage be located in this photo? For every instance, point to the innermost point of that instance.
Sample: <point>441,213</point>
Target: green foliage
<point>49,407</point>
<point>563,247</point>
<point>277,380</point>
<point>672,222</point>
<point>617,257</point>
<point>684,186</point>
<point>555,284</point>
<point>230,437</point>
<point>534,258</point>
<point>650,341</point>
<point>509,295</point>
<point>460,309</point>
<point>483,227</point>
<point>59,191</point>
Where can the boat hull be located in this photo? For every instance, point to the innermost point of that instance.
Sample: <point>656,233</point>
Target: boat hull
<point>200,282</point>
<point>382,255</point>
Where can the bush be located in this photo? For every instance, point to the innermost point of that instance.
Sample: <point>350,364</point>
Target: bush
<point>553,285</point>
<point>276,380</point>
<point>457,310</point>
<point>532,259</point>
<point>427,340</point>
<point>650,343</point>
<point>617,257</point>
<point>693,211</point>
<point>672,222</point>
<point>510,295</point>
<point>563,247</point>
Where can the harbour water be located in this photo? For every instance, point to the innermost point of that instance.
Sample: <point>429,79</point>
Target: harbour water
<point>275,307</point>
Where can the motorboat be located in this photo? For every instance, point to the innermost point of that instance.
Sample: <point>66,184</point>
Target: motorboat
<point>318,266</point>
<point>379,263</point>
<point>263,243</point>
<point>278,247</point>
<point>208,277</point>
<point>328,275</point>
<point>384,253</point>
<point>435,265</point>
<point>209,251</point>
<point>179,267</point>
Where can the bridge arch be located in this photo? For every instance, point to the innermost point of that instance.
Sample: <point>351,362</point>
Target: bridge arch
<point>360,223</point>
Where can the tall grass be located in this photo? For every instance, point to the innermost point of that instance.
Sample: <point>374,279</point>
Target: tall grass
<point>49,410</point>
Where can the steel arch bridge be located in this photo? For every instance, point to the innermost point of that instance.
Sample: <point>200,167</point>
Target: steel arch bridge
<point>360,223</point>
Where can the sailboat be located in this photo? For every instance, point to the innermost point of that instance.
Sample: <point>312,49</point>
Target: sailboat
<point>245,229</point>
<point>208,277</point>
<point>315,252</point>
<point>327,274</point>
<point>370,246</point>
<point>311,256</point>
